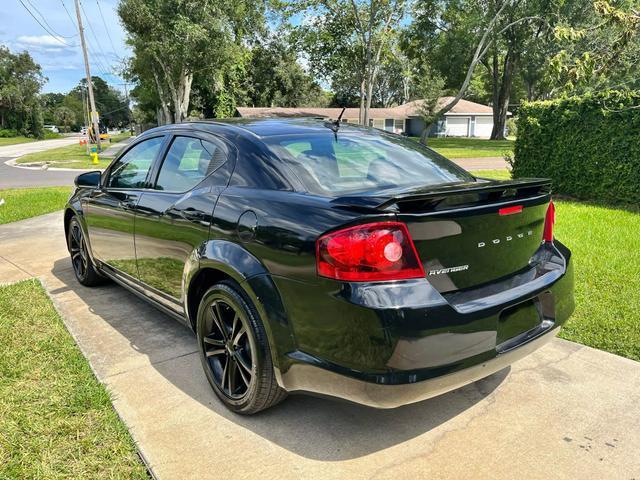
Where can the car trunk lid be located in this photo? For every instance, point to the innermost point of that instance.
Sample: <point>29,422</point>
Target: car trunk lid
<point>471,234</point>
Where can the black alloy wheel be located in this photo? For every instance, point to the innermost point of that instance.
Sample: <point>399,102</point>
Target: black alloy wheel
<point>228,349</point>
<point>235,351</point>
<point>82,265</point>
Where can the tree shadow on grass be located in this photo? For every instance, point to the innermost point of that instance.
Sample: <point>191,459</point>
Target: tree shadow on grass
<point>315,428</point>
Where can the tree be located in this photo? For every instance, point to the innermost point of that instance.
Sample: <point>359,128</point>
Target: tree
<point>276,79</point>
<point>65,117</point>
<point>350,36</point>
<point>600,51</point>
<point>20,82</point>
<point>500,35</point>
<point>176,40</point>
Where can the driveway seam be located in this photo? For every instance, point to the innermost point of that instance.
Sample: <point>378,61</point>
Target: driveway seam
<point>17,266</point>
<point>150,364</point>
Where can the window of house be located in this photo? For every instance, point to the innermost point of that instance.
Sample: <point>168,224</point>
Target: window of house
<point>388,124</point>
<point>398,125</point>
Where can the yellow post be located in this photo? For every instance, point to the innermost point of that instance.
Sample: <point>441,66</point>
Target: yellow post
<point>94,155</point>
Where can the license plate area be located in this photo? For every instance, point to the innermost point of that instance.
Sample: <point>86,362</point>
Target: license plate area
<point>524,321</point>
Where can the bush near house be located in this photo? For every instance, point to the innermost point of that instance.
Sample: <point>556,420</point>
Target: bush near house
<point>589,145</point>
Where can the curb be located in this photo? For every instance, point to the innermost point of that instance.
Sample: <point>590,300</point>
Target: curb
<point>12,163</point>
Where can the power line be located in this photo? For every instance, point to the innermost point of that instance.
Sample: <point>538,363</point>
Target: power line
<point>106,29</point>
<point>75,26</point>
<point>96,59</point>
<point>93,32</point>
<point>47,23</point>
<point>55,37</point>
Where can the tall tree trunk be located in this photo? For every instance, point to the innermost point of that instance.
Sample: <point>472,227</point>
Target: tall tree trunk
<point>167,118</point>
<point>182,95</point>
<point>361,112</point>
<point>502,94</point>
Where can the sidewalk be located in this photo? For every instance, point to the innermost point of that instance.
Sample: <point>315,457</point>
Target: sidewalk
<point>482,163</point>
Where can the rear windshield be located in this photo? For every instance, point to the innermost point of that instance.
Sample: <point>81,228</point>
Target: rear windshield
<point>362,162</point>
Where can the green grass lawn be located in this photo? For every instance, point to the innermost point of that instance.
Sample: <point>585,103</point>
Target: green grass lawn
<point>606,252</point>
<point>120,137</point>
<point>71,156</point>
<point>29,202</point>
<point>503,174</point>
<point>15,140</point>
<point>470,147</point>
<point>56,419</point>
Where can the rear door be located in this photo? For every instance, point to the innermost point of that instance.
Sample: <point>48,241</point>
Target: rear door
<point>173,217</point>
<point>110,210</point>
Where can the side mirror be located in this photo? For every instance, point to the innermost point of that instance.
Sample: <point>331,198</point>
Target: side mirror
<point>88,179</point>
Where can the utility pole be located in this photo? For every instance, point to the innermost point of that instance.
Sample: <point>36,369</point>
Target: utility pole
<point>93,115</point>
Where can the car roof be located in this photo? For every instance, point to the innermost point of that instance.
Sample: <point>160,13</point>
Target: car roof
<point>269,127</point>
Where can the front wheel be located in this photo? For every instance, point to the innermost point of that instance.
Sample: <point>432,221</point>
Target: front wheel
<point>82,266</point>
<point>235,352</point>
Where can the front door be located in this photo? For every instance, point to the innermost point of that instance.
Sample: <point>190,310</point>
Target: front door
<point>173,217</point>
<point>110,211</point>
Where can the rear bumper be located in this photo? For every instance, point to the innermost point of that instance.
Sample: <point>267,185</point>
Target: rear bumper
<point>386,345</point>
<point>305,377</point>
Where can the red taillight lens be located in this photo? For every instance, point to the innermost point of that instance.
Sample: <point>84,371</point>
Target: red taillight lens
<point>549,220</point>
<point>370,252</point>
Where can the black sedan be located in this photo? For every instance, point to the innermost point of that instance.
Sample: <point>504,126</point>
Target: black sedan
<point>315,257</point>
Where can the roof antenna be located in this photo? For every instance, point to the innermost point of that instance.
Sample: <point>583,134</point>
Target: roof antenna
<point>335,125</point>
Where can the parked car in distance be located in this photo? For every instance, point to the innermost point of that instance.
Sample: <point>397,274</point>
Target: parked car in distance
<point>52,128</point>
<point>333,260</point>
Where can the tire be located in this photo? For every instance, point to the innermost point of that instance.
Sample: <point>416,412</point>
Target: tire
<point>83,268</point>
<point>235,352</point>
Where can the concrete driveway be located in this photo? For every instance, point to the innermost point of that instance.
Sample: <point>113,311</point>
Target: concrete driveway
<point>566,411</point>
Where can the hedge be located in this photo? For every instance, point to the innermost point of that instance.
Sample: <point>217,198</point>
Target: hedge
<point>589,146</point>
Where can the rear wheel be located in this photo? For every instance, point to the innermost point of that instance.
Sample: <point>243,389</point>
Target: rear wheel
<point>235,352</point>
<point>82,266</point>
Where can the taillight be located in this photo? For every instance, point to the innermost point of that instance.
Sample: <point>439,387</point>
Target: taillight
<point>549,220</point>
<point>370,252</point>
<point>510,210</point>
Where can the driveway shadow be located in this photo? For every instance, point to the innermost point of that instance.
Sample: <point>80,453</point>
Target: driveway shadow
<point>315,428</point>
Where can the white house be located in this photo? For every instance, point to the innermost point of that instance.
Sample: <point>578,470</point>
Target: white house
<point>466,119</point>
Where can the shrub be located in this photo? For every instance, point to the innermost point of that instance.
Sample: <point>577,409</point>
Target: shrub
<point>589,146</point>
<point>8,133</point>
<point>512,127</point>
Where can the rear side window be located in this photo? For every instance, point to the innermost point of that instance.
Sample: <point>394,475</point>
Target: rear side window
<point>188,161</point>
<point>367,161</point>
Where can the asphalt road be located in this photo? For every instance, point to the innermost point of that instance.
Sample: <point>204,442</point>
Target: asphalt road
<point>14,177</point>
<point>565,412</point>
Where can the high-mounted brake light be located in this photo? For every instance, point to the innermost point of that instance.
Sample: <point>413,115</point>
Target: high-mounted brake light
<point>549,221</point>
<point>510,210</point>
<point>370,252</point>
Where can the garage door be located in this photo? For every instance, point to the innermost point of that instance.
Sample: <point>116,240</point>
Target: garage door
<point>457,127</point>
<point>484,125</point>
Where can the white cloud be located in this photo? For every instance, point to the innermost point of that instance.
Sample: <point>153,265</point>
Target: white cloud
<point>41,41</point>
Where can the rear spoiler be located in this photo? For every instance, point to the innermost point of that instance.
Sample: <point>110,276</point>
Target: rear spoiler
<point>448,196</point>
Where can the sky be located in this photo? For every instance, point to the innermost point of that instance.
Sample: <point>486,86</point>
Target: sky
<point>56,45</point>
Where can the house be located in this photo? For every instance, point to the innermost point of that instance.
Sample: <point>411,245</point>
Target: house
<point>465,119</point>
